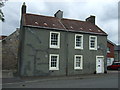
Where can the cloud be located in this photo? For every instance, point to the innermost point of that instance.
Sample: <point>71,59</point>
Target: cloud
<point>106,13</point>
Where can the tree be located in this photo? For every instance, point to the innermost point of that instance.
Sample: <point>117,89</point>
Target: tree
<point>1,13</point>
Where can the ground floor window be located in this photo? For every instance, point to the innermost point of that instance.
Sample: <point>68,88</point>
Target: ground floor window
<point>54,62</point>
<point>78,62</point>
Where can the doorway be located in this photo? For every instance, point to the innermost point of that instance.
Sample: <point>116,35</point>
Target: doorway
<point>99,64</point>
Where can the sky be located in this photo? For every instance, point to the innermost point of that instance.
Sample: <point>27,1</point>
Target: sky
<point>106,12</point>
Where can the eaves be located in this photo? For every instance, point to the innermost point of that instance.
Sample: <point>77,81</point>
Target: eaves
<point>65,30</point>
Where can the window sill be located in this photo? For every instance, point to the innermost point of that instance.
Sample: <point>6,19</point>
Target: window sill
<point>79,48</point>
<point>53,69</point>
<point>92,49</point>
<point>78,69</point>
<point>54,47</point>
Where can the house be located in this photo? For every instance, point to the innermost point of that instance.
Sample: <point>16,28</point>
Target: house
<point>117,53</point>
<point>10,51</point>
<point>57,46</point>
<point>110,52</point>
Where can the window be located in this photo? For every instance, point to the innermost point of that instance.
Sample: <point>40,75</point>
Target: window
<point>93,43</point>
<point>54,62</point>
<point>78,41</point>
<point>54,40</point>
<point>78,62</point>
<point>108,49</point>
<point>108,61</point>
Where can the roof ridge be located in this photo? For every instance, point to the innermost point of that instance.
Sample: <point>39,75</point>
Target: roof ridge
<point>53,17</point>
<point>39,15</point>
<point>73,19</point>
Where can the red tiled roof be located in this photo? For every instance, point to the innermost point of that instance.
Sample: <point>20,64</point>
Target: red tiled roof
<point>81,26</point>
<point>43,21</point>
<point>64,24</point>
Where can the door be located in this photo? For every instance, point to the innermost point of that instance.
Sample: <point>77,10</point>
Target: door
<point>99,64</point>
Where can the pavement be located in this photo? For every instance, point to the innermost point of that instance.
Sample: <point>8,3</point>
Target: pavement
<point>32,79</point>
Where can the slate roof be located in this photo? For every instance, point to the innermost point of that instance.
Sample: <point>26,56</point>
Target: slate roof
<point>62,24</point>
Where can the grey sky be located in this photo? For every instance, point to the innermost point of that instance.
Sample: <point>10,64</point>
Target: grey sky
<point>106,13</point>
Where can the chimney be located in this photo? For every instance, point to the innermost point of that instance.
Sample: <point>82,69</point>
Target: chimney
<point>91,19</point>
<point>23,9</point>
<point>59,14</point>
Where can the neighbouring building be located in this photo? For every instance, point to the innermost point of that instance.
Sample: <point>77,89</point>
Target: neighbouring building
<point>10,51</point>
<point>117,53</point>
<point>57,46</point>
<point>2,37</point>
<point>110,52</point>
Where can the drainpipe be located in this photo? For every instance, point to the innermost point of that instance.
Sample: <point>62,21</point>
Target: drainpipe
<point>66,36</point>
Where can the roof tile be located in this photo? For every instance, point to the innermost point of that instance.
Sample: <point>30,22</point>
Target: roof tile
<point>64,24</point>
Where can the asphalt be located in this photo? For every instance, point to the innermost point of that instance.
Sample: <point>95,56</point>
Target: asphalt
<point>28,79</point>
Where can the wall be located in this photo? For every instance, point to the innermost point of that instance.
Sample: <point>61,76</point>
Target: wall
<point>89,56</point>
<point>111,54</point>
<point>35,53</point>
<point>117,55</point>
<point>10,51</point>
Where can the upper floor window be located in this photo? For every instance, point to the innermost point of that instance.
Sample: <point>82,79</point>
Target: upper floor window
<point>108,49</point>
<point>78,62</point>
<point>78,41</point>
<point>54,40</point>
<point>93,42</point>
<point>54,62</point>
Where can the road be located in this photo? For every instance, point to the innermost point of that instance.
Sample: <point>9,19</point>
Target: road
<point>109,80</point>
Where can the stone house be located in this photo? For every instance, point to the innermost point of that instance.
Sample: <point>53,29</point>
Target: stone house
<point>57,46</point>
<point>10,51</point>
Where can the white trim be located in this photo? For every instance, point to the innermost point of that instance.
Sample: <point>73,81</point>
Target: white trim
<point>95,43</point>
<point>81,63</point>
<point>57,66</point>
<point>76,47</point>
<point>102,63</point>
<point>54,46</point>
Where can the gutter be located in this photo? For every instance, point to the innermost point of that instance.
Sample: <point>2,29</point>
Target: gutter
<point>66,30</point>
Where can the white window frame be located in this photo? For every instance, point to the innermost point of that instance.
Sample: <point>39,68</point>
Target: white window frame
<point>79,47</point>
<point>57,66</point>
<point>58,43</point>
<point>95,48</point>
<point>81,63</point>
